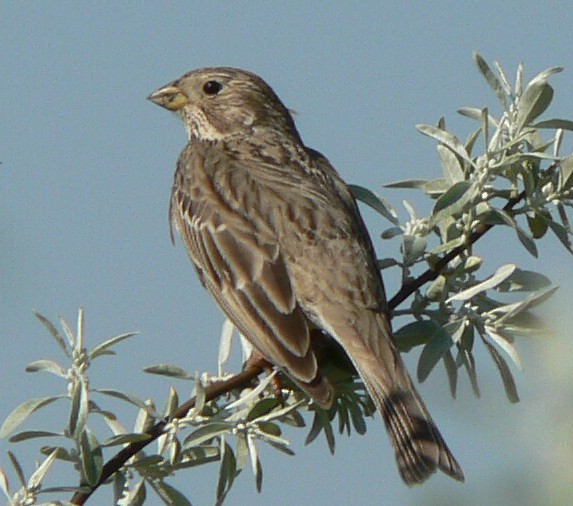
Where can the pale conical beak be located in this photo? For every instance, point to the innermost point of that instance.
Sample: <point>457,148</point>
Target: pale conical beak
<point>171,97</point>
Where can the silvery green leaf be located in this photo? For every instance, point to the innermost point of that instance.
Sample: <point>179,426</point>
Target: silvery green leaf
<point>200,397</point>
<point>39,474</point>
<point>227,472</point>
<point>17,468</point>
<point>448,246</point>
<point>440,342</point>
<point>136,496</point>
<point>60,453</point>
<point>433,187</point>
<point>225,342</point>
<point>102,348</point>
<point>500,275</point>
<point>168,494</point>
<point>557,141</point>
<point>436,289</point>
<point>524,281</point>
<point>128,398</point>
<point>169,370</point>
<point>255,462</point>
<point>534,101</point>
<point>54,332</point>
<point>31,434</point>
<point>144,420</point>
<point>263,407</point>
<point>559,230</point>
<point>276,414</point>
<point>81,335</point>
<point>91,456</point>
<point>476,113</point>
<point>375,202</point>
<point>467,360</point>
<point>357,418</point>
<point>389,233</point>
<point>505,372</point>
<point>4,486</point>
<point>452,372</point>
<point>122,439</point>
<point>453,172</point>
<point>519,80</point>
<point>119,483</point>
<point>504,341</point>
<point>23,411</point>
<point>537,226</point>
<point>172,403</point>
<point>384,263</point>
<point>472,263</point>
<point>492,79</point>
<point>454,201</point>
<point>321,422</point>
<point>206,433</point>
<point>414,247</point>
<point>471,140</point>
<point>526,323</point>
<point>546,74</point>
<point>503,78</point>
<point>252,393</point>
<point>47,366</point>
<point>80,408</point>
<point>565,174</point>
<point>512,310</point>
<point>449,140</point>
<point>555,123</point>
<point>69,333</point>
<point>414,334</point>
<point>525,238</point>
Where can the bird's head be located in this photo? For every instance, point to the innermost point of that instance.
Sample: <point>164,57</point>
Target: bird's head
<point>219,102</point>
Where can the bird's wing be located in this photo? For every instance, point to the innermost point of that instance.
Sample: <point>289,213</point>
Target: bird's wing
<point>242,268</point>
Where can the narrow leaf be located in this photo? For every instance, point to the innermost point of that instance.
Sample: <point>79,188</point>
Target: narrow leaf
<point>375,202</point>
<point>54,332</point>
<point>534,101</point>
<point>492,79</point>
<point>23,411</point>
<point>451,141</point>
<point>440,342</point>
<point>169,370</point>
<point>505,372</point>
<point>38,475</point>
<point>91,456</point>
<point>500,275</point>
<point>100,349</point>
<point>31,434</point>
<point>47,366</point>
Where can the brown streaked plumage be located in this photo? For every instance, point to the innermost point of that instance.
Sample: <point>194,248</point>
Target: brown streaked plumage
<point>276,237</point>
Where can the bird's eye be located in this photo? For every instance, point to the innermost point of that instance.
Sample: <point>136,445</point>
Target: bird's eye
<point>212,87</point>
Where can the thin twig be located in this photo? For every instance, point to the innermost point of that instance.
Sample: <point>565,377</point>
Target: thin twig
<point>433,272</point>
<point>211,392</point>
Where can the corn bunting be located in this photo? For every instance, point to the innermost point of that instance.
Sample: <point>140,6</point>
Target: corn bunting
<point>276,237</point>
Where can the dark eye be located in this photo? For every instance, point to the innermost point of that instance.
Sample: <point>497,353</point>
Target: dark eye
<point>212,87</point>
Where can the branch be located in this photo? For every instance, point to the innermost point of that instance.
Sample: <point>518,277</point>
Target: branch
<point>433,272</point>
<point>211,392</point>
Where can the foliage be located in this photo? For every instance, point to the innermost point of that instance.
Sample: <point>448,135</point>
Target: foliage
<point>518,181</point>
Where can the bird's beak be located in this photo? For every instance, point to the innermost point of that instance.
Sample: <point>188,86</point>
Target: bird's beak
<point>171,97</point>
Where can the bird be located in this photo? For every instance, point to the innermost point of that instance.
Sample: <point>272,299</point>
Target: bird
<point>276,237</point>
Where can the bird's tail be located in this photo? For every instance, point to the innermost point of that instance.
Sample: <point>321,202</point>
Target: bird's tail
<point>419,447</point>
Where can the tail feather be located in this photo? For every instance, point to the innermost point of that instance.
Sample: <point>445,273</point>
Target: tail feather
<point>419,447</point>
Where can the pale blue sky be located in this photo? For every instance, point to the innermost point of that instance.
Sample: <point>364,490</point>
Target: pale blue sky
<point>85,178</point>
